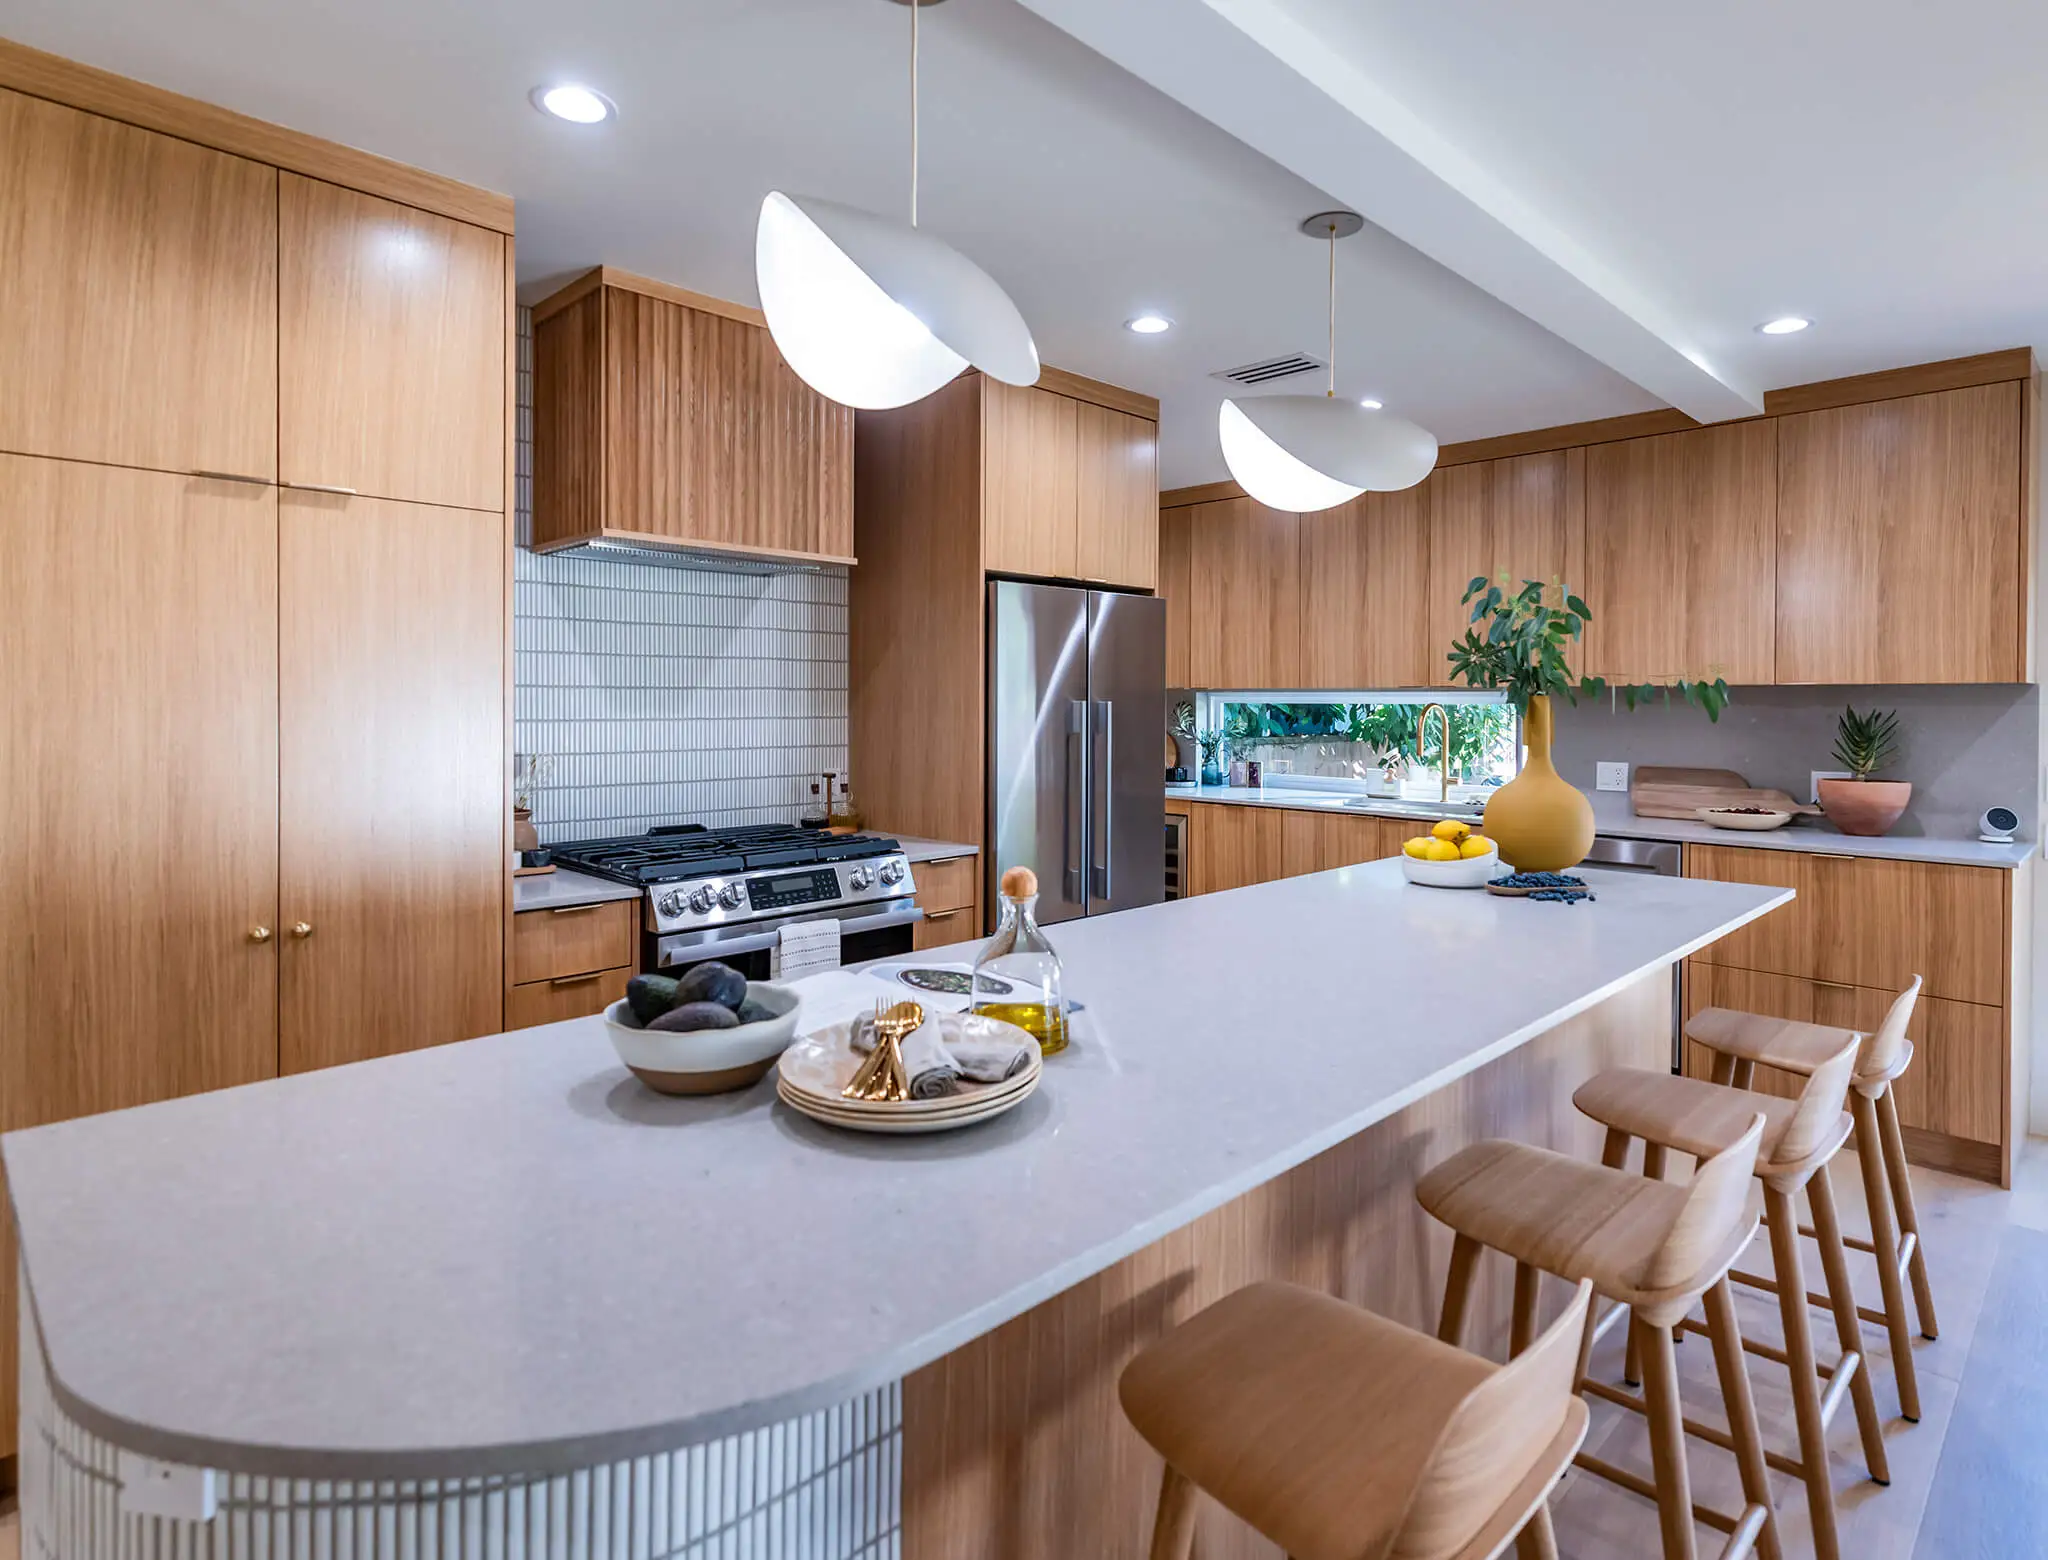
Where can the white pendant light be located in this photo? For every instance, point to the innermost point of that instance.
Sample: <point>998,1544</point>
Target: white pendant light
<point>1308,452</point>
<point>872,313</point>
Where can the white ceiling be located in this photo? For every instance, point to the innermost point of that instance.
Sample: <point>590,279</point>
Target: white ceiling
<point>1623,178</point>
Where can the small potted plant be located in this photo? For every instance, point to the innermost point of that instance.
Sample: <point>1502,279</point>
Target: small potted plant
<point>1865,744</point>
<point>1211,742</point>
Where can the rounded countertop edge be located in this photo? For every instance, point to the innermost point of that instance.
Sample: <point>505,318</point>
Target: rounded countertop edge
<point>1677,831</point>
<point>566,889</point>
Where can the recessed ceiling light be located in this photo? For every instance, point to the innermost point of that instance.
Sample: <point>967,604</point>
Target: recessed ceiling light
<point>1149,324</point>
<point>579,105</point>
<point>1784,327</point>
<point>1371,405</point>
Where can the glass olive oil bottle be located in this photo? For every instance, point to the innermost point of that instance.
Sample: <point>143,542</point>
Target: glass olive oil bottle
<point>1017,975</point>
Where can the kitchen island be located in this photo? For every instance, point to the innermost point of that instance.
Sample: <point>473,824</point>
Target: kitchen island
<point>503,1263</point>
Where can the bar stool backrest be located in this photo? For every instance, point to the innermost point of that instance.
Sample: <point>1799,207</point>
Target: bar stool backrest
<point>1884,1053</point>
<point>1492,1440</point>
<point>1819,1111</point>
<point>1715,1203</point>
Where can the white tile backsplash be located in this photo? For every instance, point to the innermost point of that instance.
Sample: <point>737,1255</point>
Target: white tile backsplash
<point>669,695</point>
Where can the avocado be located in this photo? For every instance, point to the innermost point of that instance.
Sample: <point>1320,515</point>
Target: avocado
<point>712,982</point>
<point>650,996</point>
<point>697,1015</point>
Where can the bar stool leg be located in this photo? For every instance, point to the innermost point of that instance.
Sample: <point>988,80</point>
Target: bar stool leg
<point>1909,1214</point>
<point>1870,1157</point>
<point>1667,1437</point>
<point>1538,1539</point>
<point>1733,1369</point>
<point>1834,1261</point>
<point>1799,1361</point>
<point>1450,1327</point>
<point>1522,1330</point>
<point>1632,1362</point>
<point>1173,1529</point>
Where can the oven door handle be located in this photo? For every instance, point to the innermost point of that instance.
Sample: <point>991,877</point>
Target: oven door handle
<point>904,914</point>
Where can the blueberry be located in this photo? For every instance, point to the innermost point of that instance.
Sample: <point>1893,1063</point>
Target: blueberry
<point>713,982</point>
<point>697,1015</point>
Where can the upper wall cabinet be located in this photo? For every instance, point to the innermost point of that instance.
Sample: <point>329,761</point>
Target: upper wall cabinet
<point>670,425</point>
<point>1070,489</point>
<point>1681,555</point>
<point>1245,603</point>
<point>391,341</point>
<point>1176,580</point>
<point>1900,557</point>
<point>1518,516</point>
<point>1363,614</point>
<point>138,296</point>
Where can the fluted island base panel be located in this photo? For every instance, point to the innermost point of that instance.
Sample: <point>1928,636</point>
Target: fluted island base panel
<point>1015,1446</point>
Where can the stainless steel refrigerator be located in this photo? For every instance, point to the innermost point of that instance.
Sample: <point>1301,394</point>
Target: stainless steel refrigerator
<point>1077,712</point>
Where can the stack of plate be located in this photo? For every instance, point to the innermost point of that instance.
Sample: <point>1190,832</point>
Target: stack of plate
<point>811,1073</point>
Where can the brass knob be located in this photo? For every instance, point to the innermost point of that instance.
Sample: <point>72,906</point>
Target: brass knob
<point>302,929</point>
<point>259,934</point>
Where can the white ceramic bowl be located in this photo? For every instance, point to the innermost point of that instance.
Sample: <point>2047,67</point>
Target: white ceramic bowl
<point>1466,872</point>
<point>1755,822</point>
<point>706,1061</point>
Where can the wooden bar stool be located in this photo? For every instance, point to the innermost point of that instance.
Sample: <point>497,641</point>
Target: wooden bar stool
<point>1800,1137</point>
<point>1652,1246</point>
<point>1340,1435</point>
<point>1742,1040</point>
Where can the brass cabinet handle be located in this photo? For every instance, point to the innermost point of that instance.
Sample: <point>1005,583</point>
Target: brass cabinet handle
<point>229,476</point>
<point>320,487</point>
<point>943,915</point>
<point>259,934</point>
<point>302,929</point>
<point>575,980</point>
<point>573,909</point>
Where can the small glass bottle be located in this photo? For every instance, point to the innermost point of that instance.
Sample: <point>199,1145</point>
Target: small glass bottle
<point>813,814</point>
<point>846,818</point>
<point>1017,975</point>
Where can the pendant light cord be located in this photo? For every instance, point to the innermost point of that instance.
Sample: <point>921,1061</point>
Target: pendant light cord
<point>1332,392</point>
<point>913,114</point>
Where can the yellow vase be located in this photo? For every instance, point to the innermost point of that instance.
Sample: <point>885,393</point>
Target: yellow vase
<point>1540,823</point>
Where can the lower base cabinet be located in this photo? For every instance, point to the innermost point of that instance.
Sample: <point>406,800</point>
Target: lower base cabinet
<point>570,961</point>
<point>946,893</point>
<point>1231,846</point>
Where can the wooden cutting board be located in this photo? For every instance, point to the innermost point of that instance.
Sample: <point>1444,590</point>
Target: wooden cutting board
<point>1657,791</point>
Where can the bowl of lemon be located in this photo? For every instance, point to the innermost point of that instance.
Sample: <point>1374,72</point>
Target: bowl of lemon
<point>1450,855</point>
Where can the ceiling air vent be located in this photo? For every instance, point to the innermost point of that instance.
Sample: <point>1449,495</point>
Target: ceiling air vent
<point>1266,370</point>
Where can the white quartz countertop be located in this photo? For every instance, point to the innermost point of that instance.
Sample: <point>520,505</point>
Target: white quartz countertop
<point>506,1255</point>
<point>562,889</point>
<point>918,849</point>
<point>1612,815</point>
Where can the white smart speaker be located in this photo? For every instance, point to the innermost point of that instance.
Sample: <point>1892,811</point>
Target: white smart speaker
<point>1997,825</point>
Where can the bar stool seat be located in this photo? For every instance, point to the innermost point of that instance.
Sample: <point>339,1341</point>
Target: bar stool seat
<point>1700,1118</point>
<point>1788,1044</point>
<point>1596,1225</point>
<point>1341,1435</point>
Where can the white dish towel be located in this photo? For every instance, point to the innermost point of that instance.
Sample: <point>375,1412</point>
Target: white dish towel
<point>803,948</point>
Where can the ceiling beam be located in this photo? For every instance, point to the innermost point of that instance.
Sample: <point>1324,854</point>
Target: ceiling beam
<point>1251,68</point>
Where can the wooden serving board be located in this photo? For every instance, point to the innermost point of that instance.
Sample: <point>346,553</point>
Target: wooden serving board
<point>1656,792</point>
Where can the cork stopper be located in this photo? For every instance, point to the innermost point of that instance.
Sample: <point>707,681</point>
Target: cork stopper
<point>1019,883</point>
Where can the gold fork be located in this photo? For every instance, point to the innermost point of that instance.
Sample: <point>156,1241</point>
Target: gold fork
<point>882,1075</point>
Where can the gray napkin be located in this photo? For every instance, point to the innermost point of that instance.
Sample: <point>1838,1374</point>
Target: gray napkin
<point>931,1067</point>
<point>947,1047</point>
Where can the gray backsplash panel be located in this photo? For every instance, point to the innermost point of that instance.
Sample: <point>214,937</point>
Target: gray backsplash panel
<point>1963,747</point>
<point>669,695</point>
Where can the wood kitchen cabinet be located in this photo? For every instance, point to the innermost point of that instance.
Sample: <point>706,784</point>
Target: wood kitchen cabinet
<point>1245,596</point>
<point>391,349</point>
<point>1175,584</point>
<point>667,419</point>
<point>392,783</point>
<point>1070,489</point>
<point>1520,516</point>
<point>1859,929</point>
<point>1235,846</point>
<point>138,301</point>
<point>569,961</point>
<point>1900,550</point>
<point>1681,556</point>
<point>947,893</point>
<point>1364,614</point>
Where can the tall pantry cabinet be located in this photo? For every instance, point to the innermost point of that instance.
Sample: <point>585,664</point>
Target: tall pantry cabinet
<point>255,548</point>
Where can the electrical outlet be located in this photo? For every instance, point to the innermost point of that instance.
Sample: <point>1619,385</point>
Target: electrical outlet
<point>1815,777</point>
<point>153,1488</point>
<point>1610,776</point>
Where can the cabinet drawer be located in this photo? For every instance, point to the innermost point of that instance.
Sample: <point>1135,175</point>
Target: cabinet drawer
<point>566,996</point>
<point>945,885</point>
<point>573,940</point>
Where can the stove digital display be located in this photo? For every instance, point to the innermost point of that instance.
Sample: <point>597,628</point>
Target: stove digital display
<point>778,893</point>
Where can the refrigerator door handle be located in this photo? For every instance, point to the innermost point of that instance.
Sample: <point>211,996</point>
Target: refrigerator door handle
<point>1105,771</point>
<point>1074,851</point>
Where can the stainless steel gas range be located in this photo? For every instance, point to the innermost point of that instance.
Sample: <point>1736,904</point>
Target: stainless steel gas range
<point>726,893</point>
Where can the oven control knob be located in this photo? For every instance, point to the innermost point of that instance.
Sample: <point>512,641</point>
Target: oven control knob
<point>700,899</point>
<point>730,896</point>
<point>671,903</point>
<point>860,877</point>
<point>892,873</point>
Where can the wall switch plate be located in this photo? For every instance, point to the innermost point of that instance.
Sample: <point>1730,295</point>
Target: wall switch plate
<point>1815,777</point>
<point>1610,777</point>
<point>153,1488</point>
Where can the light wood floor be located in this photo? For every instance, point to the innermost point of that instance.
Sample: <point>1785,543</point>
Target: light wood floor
<point>1967,1481</point>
